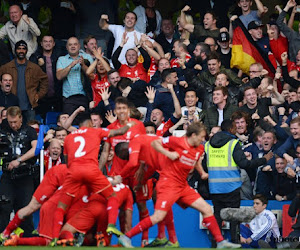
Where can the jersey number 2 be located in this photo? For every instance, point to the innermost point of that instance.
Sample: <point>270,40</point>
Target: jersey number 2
<point>79,152</point>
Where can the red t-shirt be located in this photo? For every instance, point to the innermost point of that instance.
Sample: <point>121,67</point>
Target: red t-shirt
<point>164,127</point>
<point>82,146</point>
<point>137,71</point>
<point>152,69</point>
<point>175,61</point>
<point>137,129</point>
<point>179,169</point>
<point>141,151</point>
<point>98,86</point>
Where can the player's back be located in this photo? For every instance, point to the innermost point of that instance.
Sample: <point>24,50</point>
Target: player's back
<point>82,146</point>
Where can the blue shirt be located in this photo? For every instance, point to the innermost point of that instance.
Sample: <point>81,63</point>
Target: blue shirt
<point>72,84</point>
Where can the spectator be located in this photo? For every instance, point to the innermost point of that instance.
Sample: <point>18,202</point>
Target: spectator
<point>20,27</point>
<point>221,110</point>
<point>148,19</point>
<point>292,36</point>
<point>63,23</point>
<point>222,80</point>
<point>68,70</point>
<point>162,64</point>
<point>285,187</point>
<point>118,32</point>
<point>163,98</point>
<point>209,27</point>
<point>167,36</point>
<point>97,73</point>
<point>47,58</point>
<point>52,154</point>
<point>31,83</point>
<point>211,42</point>
<point>255,30</point>
<point>256,107</point>
<point>263,229</point>
<point>113,77</point>
<point>249,15</point>
<point>96,120</point>
<point>224,49</point>
<point>199,61</point>
<point>17,180</point>
<point>243,124</point>
<point>90,44</point>
<point>132,69</point>
<point>191,101</point>
<point>181,53</point>
<point>7,98</point>
<point>150,128</point>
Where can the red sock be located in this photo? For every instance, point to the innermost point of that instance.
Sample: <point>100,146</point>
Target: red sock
<point>140,227</point>
<point>161,233</point>
<point>212,225</point>
<point>143,215</point>
<point>113,209</point>
<point>58,221</point>
<point>66,235</point>
<point>33,241</point>
<point>15,222</point>
<point>170,226</point>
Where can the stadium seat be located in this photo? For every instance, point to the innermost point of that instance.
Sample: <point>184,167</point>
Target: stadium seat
<point>39,118</point>
<point>51,118</point>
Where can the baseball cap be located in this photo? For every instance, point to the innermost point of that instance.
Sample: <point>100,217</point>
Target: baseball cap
<point>254,25</point>
<point>223,37</point>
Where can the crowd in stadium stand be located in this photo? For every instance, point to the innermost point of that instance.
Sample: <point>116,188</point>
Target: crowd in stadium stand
<point>210,61</point>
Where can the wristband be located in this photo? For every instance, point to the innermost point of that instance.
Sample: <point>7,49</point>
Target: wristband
<point>129,125</point>
<point>138,46</point>
<point>19,160</point>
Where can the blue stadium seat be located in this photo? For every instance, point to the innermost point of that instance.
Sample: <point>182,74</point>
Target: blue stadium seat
<point>51,118</point>
<point>39,118</point>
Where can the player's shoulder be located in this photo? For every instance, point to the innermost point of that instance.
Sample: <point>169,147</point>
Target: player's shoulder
<point>113,125</point>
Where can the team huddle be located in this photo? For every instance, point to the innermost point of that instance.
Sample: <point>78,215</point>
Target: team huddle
<point>79,205</point>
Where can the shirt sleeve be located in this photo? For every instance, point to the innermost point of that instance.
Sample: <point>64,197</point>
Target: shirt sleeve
<point>264,229</point>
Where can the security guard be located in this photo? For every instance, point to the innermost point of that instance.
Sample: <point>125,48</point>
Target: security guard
<point>18,167</point>
<point>224,158</point>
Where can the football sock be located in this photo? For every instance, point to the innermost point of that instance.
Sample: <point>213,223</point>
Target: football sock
<point>213,227</point>
<point>140,227</point>
<point>33,241</point>
<point>143,215</point>
<point>113,210</point>
<point>58,221</point>
<point>66,235</point>
<point>161,230</point>
<point>169,220</point>
<point>15,222</point>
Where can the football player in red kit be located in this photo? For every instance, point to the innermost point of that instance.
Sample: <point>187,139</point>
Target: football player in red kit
<point>52,180</point>
<point>183,155</point>
<point>81,149</point>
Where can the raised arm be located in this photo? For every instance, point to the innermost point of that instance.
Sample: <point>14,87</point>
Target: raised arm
<point>68,123</point>
<point>177,112</point>
<point>103,22</point>
<point>261,9</point>
<point>182,20</point>
<point>115,56</point>
<point>32,26</point>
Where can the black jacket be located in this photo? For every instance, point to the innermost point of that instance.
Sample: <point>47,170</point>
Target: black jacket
<point>8,100</point>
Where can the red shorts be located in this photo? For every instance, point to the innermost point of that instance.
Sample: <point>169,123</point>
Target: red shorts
<point>168,192</point>
<point>95,210</point>
<point>93,178</point>
<point>144,192</point>
<point>46,219</point>
<point>44,191</point>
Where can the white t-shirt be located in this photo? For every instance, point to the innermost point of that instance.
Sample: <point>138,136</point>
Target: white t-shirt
<point>118,31</point>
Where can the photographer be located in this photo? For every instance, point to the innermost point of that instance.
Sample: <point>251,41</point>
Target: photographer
<point>17,181</point>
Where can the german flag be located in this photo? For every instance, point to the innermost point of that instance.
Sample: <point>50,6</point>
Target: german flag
<point>245,51</point>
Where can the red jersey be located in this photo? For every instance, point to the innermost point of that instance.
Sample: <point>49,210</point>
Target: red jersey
<point>152,69</point>
<point>124,196</point>
<point>175,61</point>
<point>141,151</point>
<point>179,169</point>
<point>98,86</point>
<point>137,71</point>
<point>164,127</point>
<point>53,179</point>
<point>137,129</point>
<point>82,146</point>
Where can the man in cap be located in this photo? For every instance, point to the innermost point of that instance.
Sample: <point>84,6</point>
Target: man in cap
<point>30,82</point>
<point>255,30</point>
<point>224,49</point>
<point>20,27</point>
